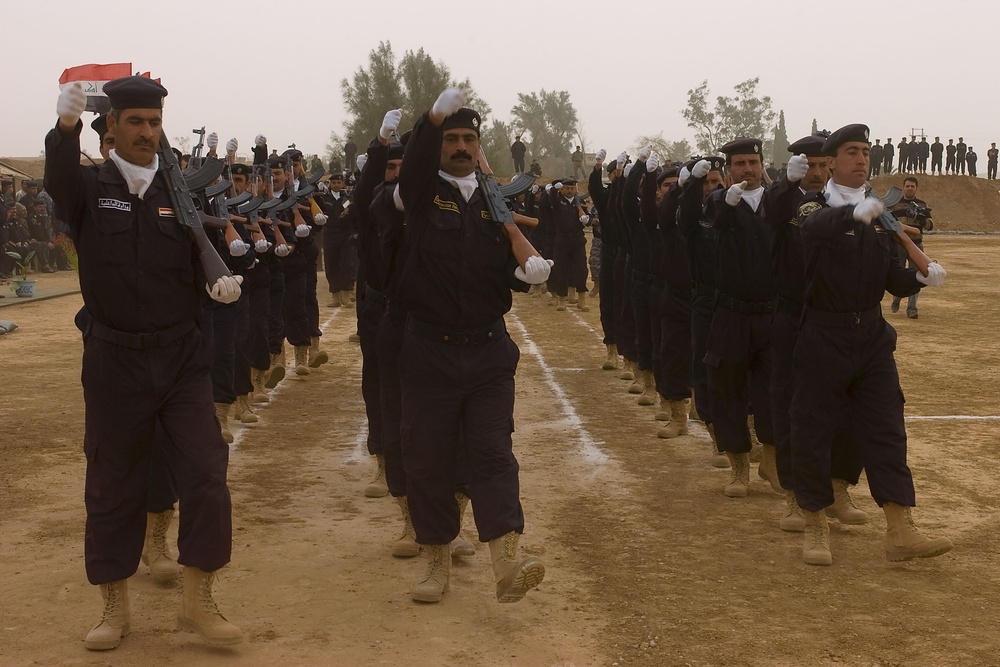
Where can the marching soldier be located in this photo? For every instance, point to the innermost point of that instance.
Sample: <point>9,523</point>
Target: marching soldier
<point>569,246</point>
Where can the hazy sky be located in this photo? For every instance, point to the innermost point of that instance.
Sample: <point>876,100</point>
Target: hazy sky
<point>241,68</point>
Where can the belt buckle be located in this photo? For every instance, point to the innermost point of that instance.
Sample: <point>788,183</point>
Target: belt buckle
<point>857,319</point>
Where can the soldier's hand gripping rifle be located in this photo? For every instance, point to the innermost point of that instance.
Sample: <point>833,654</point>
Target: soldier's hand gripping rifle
<point>497,206</point>
<point>188,215</point>
<point>889,222</point>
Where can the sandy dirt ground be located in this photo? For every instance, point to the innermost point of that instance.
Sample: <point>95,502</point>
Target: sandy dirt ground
<point>648,563</point>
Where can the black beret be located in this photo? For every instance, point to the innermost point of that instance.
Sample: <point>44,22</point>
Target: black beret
<point>276,162</point>
<point>669,172</point>
<point>464,118</point>
<point>812,146</point>
<point>293,153</point>
<point>406,137</point>
<point>568,181</point>
<point>135,92</point>
<point>715,163</point>
<point>612,166</point>
<point>395,151</point>
<point>242,169</point>
<point>336,176</point>
<point>27,202</point>
<point>853,132</point>
<point>100,125</point>
<point>741,146</point>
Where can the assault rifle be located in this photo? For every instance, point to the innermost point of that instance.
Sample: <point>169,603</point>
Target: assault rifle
<point>889,222</point>
<point>501,214</point>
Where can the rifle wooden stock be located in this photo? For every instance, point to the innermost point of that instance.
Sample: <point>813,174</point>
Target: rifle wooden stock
<point>916,255</point>
<point>524,220</point>
<point>522,249</point>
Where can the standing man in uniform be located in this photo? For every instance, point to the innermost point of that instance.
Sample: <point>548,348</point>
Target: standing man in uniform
<point>971,158</point>
<point>577,159</point>
<point>844,354</point>
<point>144,359</point>
<point>951,149</point>
<point>991,164</point>
<point>937,151</point>
<point>517,151</point>
<point>877,155</point>
<point>350,153</point>
<point>923,152</point>
<point>457,361</point>
<point>960,151</point>
<point>915,214</point>
<point>887,159</point>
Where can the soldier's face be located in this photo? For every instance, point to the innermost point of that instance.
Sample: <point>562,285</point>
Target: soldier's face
<point>909,190</point>
<point>662,188</point>
<point>240,182</point>
<point>817,175</point>
<point>712,181</point>
<point>568,191</point>
<point>459,151</point>
<point>278,176</point>
<point>137,134</point>
<point>392,170</point>
<point>336,184</point>
<point>107,143</point>
<point>746,168</point>
<point>850,165</point>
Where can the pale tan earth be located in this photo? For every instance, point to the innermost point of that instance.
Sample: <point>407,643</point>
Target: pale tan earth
<point>648,563</point>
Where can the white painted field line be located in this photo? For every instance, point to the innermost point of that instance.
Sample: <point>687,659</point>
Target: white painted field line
<point>954,417</point>
<point>589,448</point>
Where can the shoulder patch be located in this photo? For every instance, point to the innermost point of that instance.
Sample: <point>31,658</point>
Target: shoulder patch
<point>809,207</point>
<point>445,205</point>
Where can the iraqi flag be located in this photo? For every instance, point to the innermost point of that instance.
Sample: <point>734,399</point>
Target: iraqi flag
<point>93,78</point>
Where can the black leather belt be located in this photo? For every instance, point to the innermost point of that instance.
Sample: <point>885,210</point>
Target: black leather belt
<point>375,295</point>
<point>704,289</point>
<point>789,307</point>
<point>141,341</point>
<point>745,307</point>
<point>828,319</point>
<point>682,294</point>
<point>460,337</point>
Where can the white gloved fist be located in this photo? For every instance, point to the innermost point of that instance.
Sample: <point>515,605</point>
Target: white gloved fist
<point>226,289</point>
<point>281,250</point>
<point>868,210</point>
<point>621,160</point>
<point>238,248</point>
<point>361,161</point>
<point>71,104</point>
<point>548,187</point>
<point>797,167</point>
<point>683,176</point>
<point>601,154</point>
<point>535,189</point>
<point>735,193</point>
<point>302,231</point>
<point>645,152</point>
<point>652,163</point>
<point>320,219</point>
<point>557,185</point>
<point>390,123</point>
<point>448,102</point>
<point>701,168</point>
<point>397,200</point>
<point>232,146</point>
<point>212,140</point>
<point>628,168</point>
<point>585,219</point>
<point>259,140</point>
<point>536,270</point>
<point>935,275</point>
<point>261,246</point>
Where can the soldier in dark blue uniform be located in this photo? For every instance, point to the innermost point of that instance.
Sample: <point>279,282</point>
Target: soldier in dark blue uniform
<point>599,193</point>
<point>144,359</point>
<point>457,362</point>
<point>569,245</point>
<point>844,353</point>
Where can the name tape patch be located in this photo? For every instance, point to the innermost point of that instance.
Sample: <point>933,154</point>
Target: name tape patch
<point>115,204</point>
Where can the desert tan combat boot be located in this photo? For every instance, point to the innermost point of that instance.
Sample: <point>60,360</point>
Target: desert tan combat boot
<point>222,414</point>
<point>719,460</point>
<point>116,618</point>
<point>406,546</point>
<point>582,302</point>
<point>276,372</point>
<point>793,521</point>
<point>816,543</point>
<point>662,409</point>
<point>461,546</point>
<point>200,614</point>
<point>678,424</point>
<point>768,468</point>
<point>347,297</point>
<point>335,301</point>
<point>258,377</point>
<point>377,487</point>
<point>611,362</point>
<point>739,475</point>
<point>560,303</point>
<point>155,554</point>
<point>301,358</point>
<point>571,297</point>
<point>843,508</point>
<point>649,394</point>
<point>434,584</point>
<point>638,384</point>
<point>242,412</point>
<point>514,577</point>
<point>317,357</point>
<point>755,444</point>
<point>627,371</point>
<point>902,539</point>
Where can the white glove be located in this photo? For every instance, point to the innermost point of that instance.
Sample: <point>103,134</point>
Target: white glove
<point>535,189</point>
<point>585,219</point>
<point>212,141</point>
<point>935,275</point>
<point>226,289</point>
<point>238,248</point>
<point>652,163</point>
<point>701,168</point>
<point>798,165</point>
<point>390,123</point>
<point>557,185</point>
<point>645,152</point>
<point>536,270</point>
<point>260,140</point>
<point>361,161</point>
<point>281,250</point>
<point>683,176</point>
<point>601,154</point>
<point>621,160</point>
<point>71,104</point>
<point>448,102</point>
<point>868,210</point>
<point>320,219</point>
<point>302,231</point>
<point>231,146</point>
<point>261,246</point>
<point>735,193</point>
<point>628,168</point>
<point>548,187</point>
<point>397,200</point>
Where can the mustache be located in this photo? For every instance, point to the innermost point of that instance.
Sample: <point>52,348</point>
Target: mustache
<point>460,154</point>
